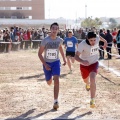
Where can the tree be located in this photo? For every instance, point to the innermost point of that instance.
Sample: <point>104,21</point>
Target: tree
<point>113,23</point>
<point>89,23</point>
<point>112,26</point>
<point>118,27</point>
<point>112,20</point>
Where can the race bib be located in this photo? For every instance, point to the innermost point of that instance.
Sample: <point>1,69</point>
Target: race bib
<point>94,50</point>
<point>69,44</point>
<point>51,53</point>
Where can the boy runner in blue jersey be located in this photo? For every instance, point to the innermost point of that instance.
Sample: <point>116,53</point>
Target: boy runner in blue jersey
<point>51,46</point>
<point>70,43</point>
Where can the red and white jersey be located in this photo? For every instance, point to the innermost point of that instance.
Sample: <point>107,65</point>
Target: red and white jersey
<point>114,34</point>
<point>89,53</point>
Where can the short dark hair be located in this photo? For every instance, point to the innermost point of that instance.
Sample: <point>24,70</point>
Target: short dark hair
<point>55,23</point>
<point>101,30</point>
<point>91,35</point>
<point>108,31</point>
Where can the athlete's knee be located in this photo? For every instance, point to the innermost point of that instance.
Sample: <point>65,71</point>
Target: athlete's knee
<point>85,81</point>
<point>56,81</point>
<point>49,82</point>
<point>92,77</point>
<point>73,59</point>
<point>68,58</point>
<point>93,82</point>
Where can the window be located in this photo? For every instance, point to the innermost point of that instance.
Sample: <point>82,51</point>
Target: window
<point>15,0</point>
<point>26,8</point>
<point>19,8</point>
<point>15,8</point>
<point>2,8</point>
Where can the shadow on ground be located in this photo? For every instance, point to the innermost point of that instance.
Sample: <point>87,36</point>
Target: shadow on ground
<point>30,77</point>
<point>63,116</point>
<point>67,114</point>
<point>108,80</point>
<point>63,75</point>
<point>23,116</point>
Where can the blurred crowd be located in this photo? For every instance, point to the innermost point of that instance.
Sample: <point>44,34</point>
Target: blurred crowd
<point>15,34</point>
<point>18,34</point>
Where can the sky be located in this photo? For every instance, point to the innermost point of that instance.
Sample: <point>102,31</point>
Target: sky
<point>73,9</point>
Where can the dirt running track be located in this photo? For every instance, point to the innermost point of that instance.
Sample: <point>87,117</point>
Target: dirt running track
<point>24,93</point>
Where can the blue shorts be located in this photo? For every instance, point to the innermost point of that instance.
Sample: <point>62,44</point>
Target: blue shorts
<point>55,70</point>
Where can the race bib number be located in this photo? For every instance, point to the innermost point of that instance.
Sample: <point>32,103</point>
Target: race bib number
<point>51,53</point>
<point>94,50</point>
<point>69,44</point>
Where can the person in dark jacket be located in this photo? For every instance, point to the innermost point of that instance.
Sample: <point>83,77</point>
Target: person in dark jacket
<point>101,44</point>
<point>109,39</point>
<point>83,36</point>
<point>118,41</point>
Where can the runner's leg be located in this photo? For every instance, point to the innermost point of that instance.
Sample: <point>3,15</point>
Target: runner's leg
<point>72,59</point>
<point>92,89</point>
<point>48,75</point>
<point>49,82</point>
<point>87,83</point>
<point>56,87</point>
<point>56,74</point>
<point>56,92</point>
<point>92,84</point>
<point>68,62</point>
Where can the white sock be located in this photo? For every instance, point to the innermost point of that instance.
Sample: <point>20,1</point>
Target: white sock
<point>56,100</point>
<point>92,98</point>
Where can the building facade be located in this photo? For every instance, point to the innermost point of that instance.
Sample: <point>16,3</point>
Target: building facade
<point>22,9</point>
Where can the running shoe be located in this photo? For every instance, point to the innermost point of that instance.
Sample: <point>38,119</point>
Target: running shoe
<point>56,106</point>
<point>92,103</point>
<point>87,87</point>
<point>70,72</point>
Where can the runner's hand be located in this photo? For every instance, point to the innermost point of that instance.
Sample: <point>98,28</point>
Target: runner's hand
<point>105,46</point>
<point>47,67</point>
<point>115,45</point>
<point>64,63</point>
<point>85,62</point>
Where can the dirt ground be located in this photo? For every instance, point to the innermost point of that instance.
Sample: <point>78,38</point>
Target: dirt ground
<point>24,93</point>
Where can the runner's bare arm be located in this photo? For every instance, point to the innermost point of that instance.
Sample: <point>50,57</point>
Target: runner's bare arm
<point>62,53</point>
<point>77,58</point>
<point>65,46</point>
<point>105,42</point>
<point>77,45</point>
<point>41,49</point>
